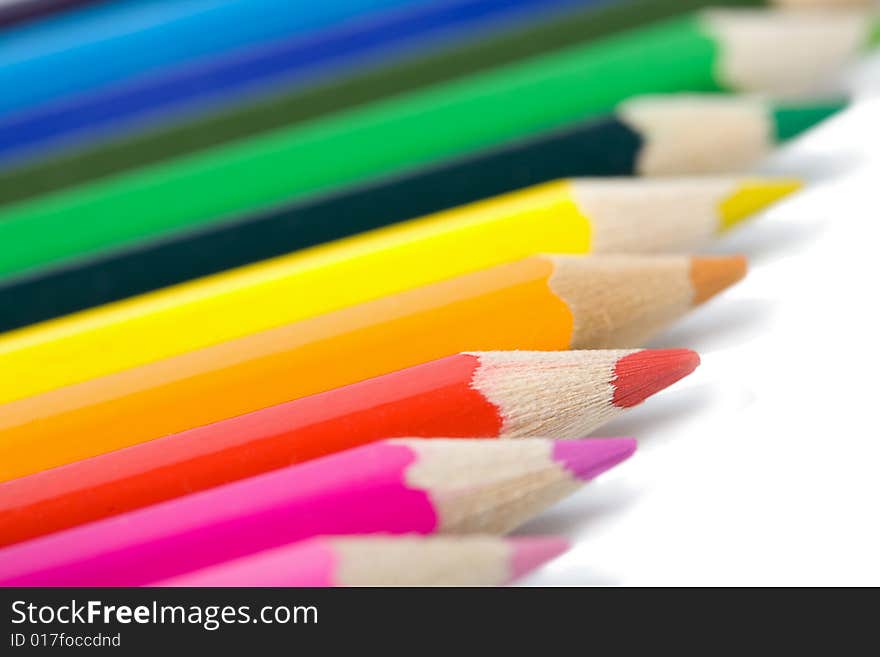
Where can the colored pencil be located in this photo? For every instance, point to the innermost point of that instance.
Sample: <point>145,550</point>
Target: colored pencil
<point>733,134</point>
<point>19,11</point>
<point>393,487</point>
<point>685,134</point>
<point>427,126</point>
<point>114,41</point>
<point>597,217</point>
<point>263,69</point>
<point>383,561</point>
<point>286,109</point>
<point>542,303</point>
<point>504,395</point>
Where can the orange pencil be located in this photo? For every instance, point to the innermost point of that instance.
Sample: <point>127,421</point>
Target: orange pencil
<point>542,303</point>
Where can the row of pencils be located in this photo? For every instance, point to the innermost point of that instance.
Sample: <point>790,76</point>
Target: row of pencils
<point>300,294</point>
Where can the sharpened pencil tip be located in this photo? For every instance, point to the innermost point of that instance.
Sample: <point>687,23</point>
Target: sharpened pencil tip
<point>713,274</point>
<point>645,373</point>
<point>753,196</point>
<point>792,121</point>
<point>532,552</point>
<point>587,458</point>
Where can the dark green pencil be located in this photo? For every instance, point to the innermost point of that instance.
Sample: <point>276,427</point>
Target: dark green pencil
<point>699,135</point>
<point>301,104</point>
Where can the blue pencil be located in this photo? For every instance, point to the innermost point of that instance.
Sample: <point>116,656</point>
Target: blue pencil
<point>288,63</point>
<point>85,49</point>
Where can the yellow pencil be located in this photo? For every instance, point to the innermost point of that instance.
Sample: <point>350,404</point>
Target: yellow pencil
<point>570,216</point>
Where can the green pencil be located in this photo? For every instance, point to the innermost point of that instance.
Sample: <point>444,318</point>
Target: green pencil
<point>684,135</point>
<point>289,107</point>
<point>752,51</point>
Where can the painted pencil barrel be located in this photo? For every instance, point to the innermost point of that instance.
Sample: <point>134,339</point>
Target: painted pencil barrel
<point>21,11</point>
<point>252,118</point>
<point>542,303</point>
<point>493,395</point>
<point>395,487</point>
<point>404,561</point>
<point>428,126</point>
<point>100,45</point>
<point>652,136</point>
<point>563,217</point>
<point>263,69</point>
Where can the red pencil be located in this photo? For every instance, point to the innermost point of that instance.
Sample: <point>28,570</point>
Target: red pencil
<point>486,395</point>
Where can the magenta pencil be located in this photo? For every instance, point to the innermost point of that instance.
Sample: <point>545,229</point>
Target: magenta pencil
<point>383,561</point>
<point>452,486</point>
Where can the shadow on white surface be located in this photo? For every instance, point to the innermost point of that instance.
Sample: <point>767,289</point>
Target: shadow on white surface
<point>583,511</point>
<point>767,240</point>
<point>652,422</point>
<point>813,168</point>
<point>582,518</point>
<point>583,575</point>
<point>731,322</point>
<point>760,468</point>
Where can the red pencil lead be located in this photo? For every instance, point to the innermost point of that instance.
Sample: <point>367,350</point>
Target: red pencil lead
<point>644,373</point>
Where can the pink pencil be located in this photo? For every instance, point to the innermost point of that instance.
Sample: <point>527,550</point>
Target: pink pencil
<point>396,487</point>
<point>383,561</point>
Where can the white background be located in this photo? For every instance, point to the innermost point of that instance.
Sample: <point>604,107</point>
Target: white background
<point>763,467</point>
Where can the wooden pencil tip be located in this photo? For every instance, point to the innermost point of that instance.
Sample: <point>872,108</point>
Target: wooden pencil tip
<point>712,274</point>
<point>752,196</point>
<point>533,552</point>
<point>645,373</point>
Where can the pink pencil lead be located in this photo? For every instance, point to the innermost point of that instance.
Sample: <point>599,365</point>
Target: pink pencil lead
<point>588,458</point>
<point>530,553</point>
